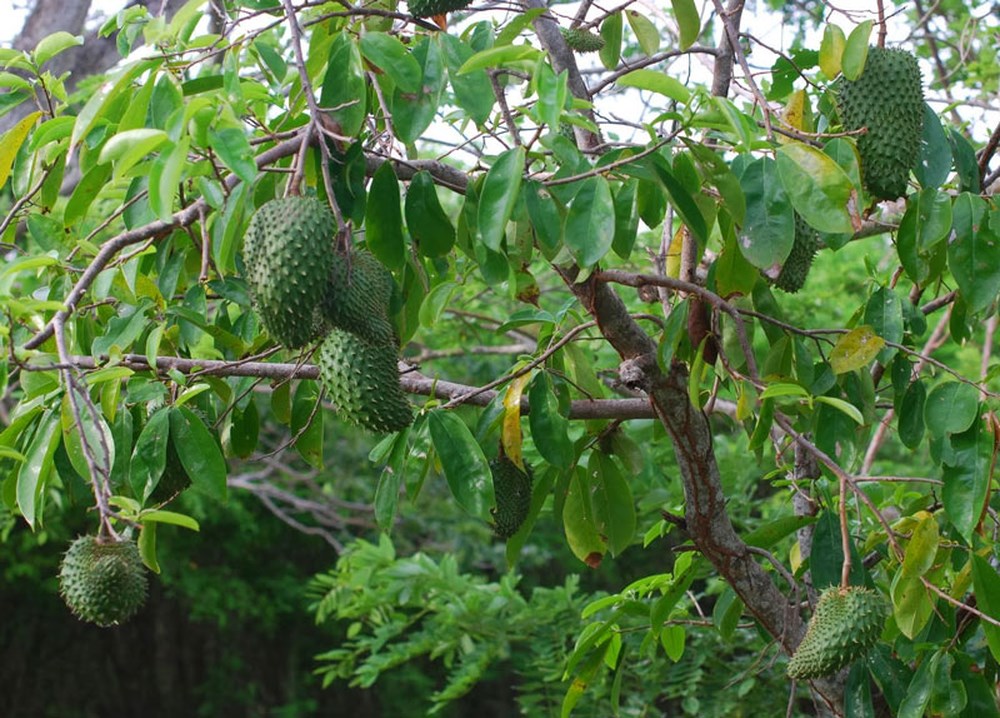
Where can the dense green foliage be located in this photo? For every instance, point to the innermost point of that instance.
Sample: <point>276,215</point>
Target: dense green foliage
<point>249,239</point>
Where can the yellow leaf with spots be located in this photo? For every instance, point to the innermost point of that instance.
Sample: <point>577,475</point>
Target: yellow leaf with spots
<point>794,114</point>
<point>855,349</point>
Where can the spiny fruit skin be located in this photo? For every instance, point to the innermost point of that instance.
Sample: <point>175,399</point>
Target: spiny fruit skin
<point>357,297</point>
<point>430,8</point>
<point>580,40</point>
<point>288,256</point>
<point>845,625</point>
<point>103,580</point>
<point>362,380</point>
<point>796,267</point>
<point>512,488</point>
<point>888,100</point>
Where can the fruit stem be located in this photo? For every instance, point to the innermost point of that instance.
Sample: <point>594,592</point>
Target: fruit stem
<point>845,537</point>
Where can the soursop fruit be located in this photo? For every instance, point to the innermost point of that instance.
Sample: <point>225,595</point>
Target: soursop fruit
<point>888,100</point>
<point>103,580</point>
<point>580,40</point>
<point>288,257</point>
<point>362,380</point>
<point>845,625</point>
<point>430,8</point>
<point>796,267</point>
<point>357,297</point>
<point>512,488</point>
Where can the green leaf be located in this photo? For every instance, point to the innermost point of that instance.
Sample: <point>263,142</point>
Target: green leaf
<point>951,408</point>
<point>234,149</point>
<point>827,556</point>
<point>768,231</point>
<point>688,21</point>
<point>934,164</point>
<point>107,94</point>
<point>912,604</point>
<point>170,517</point>
<point>831,50</point>
<point>590,222</point>
<point>772,532</point>
<point>911,415</point>
<point>922,546</point>
<point>855,350</point>
<point>165,176</point>
<point>473,91</point>
<point>498,56</point>
<point>578,521</point>
<point>307,424</point>
<point>612,503</point>
<point>986,584</point>
<point>127,148</point>
<point>245,430</point>
<point>465,467</point>
<point>611,33</point>
<point>546,216</point>
<point>856,50</point>
<point>147,547</point>
<point>391,56</point>
<point>682,201</point>
<point>11,141</point>
<point>966,475</point>
<point>656,81</point>
<point>918,695</point>
<point>149,457</point>
<point>884,314</point>
<point>645,32</point>
<point>499,194</point>
<point>626,219</point>
<point>34,471</point>
<point>817,186</point>
<point>384,218</point>
<point>974,253</point>
<point>549,426</point>
<point>51,45</point>
<point>199,453</point>
<point>344,89</point>
<point>90,185</point>
<point>928,218</point>
<point>553,91</point>
<point>845,407</point>
<point>429,226</point>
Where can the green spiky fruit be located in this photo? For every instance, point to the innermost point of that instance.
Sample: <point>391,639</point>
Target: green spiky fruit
<point>103,580</point>
<point>512,488</point>
<point>288,258</point>
<point>888,100</point>
<point>796,267</point>
<point>845,625</point>
<point>580,40</point>
<point>362,380</point>
<point>357,298</point>
<point>430,8</point>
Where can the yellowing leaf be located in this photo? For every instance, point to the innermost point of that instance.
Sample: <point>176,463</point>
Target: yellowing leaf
<point>794,114</point>
<point>831,50</point>
<point>855,349</point>
<point>673,267</point>
<point>510,432</point>
<point>10,143</point>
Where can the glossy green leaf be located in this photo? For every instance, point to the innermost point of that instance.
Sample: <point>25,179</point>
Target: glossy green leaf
<point>546,215</point>
<point>391,56</point>
<point>827,554</point>
<point>33,473</point>
<point>473,91</point>
<point>656,81</point>
<point>974,253</point>
<point>922,546</point>
<point>590,222</point>
<point>549,426</point>
<point>171,517</point>
<point>934,164</point>
<point>688,21</point>
<point>84,194</point>
<point>844,407</point>
<point>498,56</point>
<point>578,521</point>
<point>884,314</point>
<point>682,201</point>
<point>911,415</point>
<point>645,31</point>
<point>768,231</point>
<point>499,194</point>
<point>51,45</point>
<point>986,584</point>
<point>234,149</point>
<point>928,218</point>
<point>772,532</point>
<point>912,604</point>
<point>831,50</point>
<point>165,177</point>
<point>611,501</point>
<point>856,50</point>
<point>552,91</point>
<point>384,218</point>
<point>817,186</point>
<point>107,94</point>
<point>147,547</point>
<point>966,475</point>
<point>344,89</point>
<point>429,226</point>
<point>245,430</point>
<point>149,457</point>
<point>307,424</point>
<point>951,408</point>
<point>918,695</point>
<point>626,219</point>
<point>611,33</point>
<point>199,453</point>
<point>465,467</point>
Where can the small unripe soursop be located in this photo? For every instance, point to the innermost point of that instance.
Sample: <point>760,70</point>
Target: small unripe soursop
<point>288,257</point>
<point>796,267</point>
<point>430,8</point>
<point>512,488</point>
<point>580,40</point>
<point>888,100</point>
<point>362,380</point>
<point>357,297</point>
<point>103,580</point>
<point>845,625</point>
